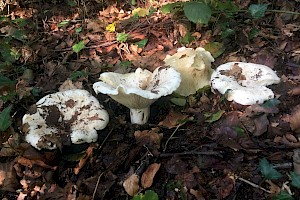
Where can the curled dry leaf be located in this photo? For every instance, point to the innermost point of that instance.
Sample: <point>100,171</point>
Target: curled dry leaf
<point>148,175</point>
<point>88,154</point>
<point>131,184</point>
<point>296,161</point>
<point>69,85</point>
<point>294,119</point>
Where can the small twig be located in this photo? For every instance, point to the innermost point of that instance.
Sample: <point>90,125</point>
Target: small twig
<point>171,137</point>
<point>105,139</point>
<point>209,153</point>
<point>96,187</point>
<point>253,185</point>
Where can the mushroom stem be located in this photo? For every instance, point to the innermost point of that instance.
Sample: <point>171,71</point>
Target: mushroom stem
<point>139,116</point>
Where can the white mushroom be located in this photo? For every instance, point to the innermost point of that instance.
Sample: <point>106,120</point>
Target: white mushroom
<point>138,90</point>
<point>245,82</point>
<point>194,67</point>
<point>74,112</point>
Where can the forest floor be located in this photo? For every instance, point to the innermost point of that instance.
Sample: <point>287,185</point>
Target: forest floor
<point>184,151</point>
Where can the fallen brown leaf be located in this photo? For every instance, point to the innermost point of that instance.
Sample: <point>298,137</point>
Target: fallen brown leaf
<point>82,161</point>
<point>148,175</point>
<point>173,119</point>
<point>8,177</point>
<point>131,184</point>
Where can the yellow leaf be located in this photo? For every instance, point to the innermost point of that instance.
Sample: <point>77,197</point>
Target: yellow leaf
<point>141,12</point>
<point>111,27</point>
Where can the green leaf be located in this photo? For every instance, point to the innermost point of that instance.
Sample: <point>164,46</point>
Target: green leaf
<point>268,170</point>
<point>125,63</point>
<point>77,74</point>
<point>178,101</point>
<point>5,119</point>
<point>8,53</point>
<point>295,180</point>
<point>149,195</point>
<point>78,30</point>
<point>258,10</point>
<point>78,47</point>
<point>142,43</point>
<point>122,37</point>
<point>215,48</point>
<point>215,117</point>
<point>4,81</point>
<point>283,195</point>
<point>65,22</point>
<point>171,7</point>
<point>19,35</point>
<point>187,38</point>
<point>227,7</point>
<point>21,22</point>
<point>72,3</point>
<point>197,12</point>
<point>227,33</point>
<point>253,33</point>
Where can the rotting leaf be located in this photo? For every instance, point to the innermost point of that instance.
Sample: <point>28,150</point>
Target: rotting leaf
<point>215,48</point>
<point>88,154</point>
<point>148,175</point>
<point>131,184</point>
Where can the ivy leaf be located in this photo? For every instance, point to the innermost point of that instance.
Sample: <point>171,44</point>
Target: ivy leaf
<point>268,170</point>
<point>197,12</point>
<point>258,10</point>
<point>122,37</point>
<point>5,119</point>
<point>295,180</point>
<point>78,47</point>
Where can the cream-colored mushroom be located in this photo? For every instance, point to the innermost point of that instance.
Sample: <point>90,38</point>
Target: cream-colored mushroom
<point>194,67</point>
<point>138,90</point>
<point>245,82</point>
<point>76,109</point>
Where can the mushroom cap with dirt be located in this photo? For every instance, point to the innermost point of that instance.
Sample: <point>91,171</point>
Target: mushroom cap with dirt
<point>74,113</point>
<point>245,82</point>
<point>194,66</point>
<point>139,89</point>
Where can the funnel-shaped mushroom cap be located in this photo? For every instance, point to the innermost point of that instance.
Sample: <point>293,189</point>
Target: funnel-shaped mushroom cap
<point>76,109</point>
<point>140,89</point>
<point>194,67</point>
<point>245,82</point>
